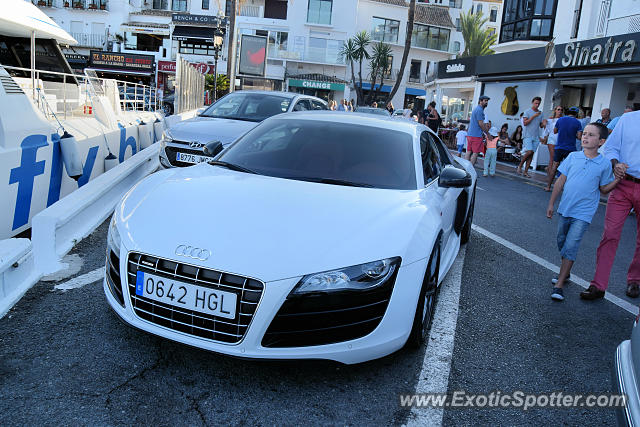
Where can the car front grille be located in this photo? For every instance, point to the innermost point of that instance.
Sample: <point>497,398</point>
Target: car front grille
<point>214,328</point>
<point>318,319</point>
<point>113,276</point>
<point>171,152</point>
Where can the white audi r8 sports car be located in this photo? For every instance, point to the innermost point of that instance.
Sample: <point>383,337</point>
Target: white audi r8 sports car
<point>318,235</point>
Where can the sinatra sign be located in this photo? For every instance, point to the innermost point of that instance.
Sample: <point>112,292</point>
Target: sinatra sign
<point>602,51</point>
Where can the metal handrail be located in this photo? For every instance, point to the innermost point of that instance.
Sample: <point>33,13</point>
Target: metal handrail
<point>80,79</point>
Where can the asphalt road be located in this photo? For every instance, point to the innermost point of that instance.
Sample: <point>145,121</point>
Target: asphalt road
<point>66,359</point>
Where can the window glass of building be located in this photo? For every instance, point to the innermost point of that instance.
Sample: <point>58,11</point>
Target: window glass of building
<point>493,15</point>
<point>414,70</point>
<point>319,12</point>
<point>205,4</point>
<point>385,30</point>
<point>479,8</point>
<point>179,5</point>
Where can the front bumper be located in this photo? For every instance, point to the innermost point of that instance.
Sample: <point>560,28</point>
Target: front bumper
<point>624,379</point>
<point>389,336</point>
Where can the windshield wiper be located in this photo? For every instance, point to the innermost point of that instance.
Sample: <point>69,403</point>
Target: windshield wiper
<point>332,181</point>
<point>230,166</point>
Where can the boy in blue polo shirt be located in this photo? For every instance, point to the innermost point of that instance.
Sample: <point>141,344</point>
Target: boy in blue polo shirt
<point>584,175</point>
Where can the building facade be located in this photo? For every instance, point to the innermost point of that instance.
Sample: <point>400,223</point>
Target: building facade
<point>304,39</point>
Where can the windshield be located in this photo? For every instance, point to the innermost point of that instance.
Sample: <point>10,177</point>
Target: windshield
<point>253,107</point>
<point>378,111</point>
<point>339,154</point>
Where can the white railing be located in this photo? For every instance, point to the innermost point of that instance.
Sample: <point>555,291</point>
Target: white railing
<point>189,86</point>
<point>252,11</point>
<point>65,98</point>
<point>90,40</point>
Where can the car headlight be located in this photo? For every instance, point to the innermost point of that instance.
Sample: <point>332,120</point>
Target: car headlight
<point>357,277</point>
<point>113,237</point>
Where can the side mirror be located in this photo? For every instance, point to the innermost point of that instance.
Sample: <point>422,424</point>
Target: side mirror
<point>452,177</point>
<point>212,148</point>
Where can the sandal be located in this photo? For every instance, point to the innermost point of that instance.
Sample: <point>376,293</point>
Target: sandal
<point>526,175</point>
<point>547,189</point>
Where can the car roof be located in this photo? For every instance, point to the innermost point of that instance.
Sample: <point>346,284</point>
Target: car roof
<point>356,118</point>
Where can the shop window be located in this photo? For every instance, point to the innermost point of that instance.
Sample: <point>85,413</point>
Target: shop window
<point>197,48</point>
<point>144,42</point>
<point>319,12</point>
<point>385,30</point>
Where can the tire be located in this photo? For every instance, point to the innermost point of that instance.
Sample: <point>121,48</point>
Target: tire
<point>466,229</point>
<point>426,301</point>
<point>168,109</point>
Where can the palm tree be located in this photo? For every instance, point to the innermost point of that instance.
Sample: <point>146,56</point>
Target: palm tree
<point>407,47</point>
<point>361,41</point>
<point>477,42</point>
<point>349,53</point>
<point>379,66</point>
<point>221,86</point>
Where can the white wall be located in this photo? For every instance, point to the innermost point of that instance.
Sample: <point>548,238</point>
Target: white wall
<point>525,93</point>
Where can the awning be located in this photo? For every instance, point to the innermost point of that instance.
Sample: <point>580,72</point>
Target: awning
<point>146,28</point>
<point>199,34</point>
<point>417,92</point>
<point>385,88</point>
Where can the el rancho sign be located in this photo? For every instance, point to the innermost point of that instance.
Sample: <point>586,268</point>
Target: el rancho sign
<point>612,50</point>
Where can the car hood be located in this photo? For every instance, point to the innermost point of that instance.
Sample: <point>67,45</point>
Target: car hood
<point>264,227</point>
<point>207,129</point>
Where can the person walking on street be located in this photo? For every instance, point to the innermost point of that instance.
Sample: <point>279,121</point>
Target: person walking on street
<point>532,120</point>
<point>568,128</point>
<point>342,106</point>
<point>433,119</point>
<point>584,175</point>
<point>550,137</point>
<point>623,150</point>
<point>477,128</point>
<point>461,140</point>
<point>492,153</point>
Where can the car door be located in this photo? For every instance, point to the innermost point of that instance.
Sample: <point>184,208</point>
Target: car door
<point>443,199</point>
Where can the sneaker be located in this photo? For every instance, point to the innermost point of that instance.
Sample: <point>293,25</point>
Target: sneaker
<point>555,279</point>
<point>484,174</point>
<point>557,294</point>
<point>592,293</point>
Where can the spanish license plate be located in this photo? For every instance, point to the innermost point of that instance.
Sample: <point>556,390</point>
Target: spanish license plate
<point>191,158</point>
<point>186,295</point>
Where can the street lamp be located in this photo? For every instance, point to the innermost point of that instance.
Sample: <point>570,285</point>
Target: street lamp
<point>217,46</point>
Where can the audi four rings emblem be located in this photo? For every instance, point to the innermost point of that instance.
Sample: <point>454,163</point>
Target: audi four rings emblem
<point>195,144</point>
<point>194,253</point>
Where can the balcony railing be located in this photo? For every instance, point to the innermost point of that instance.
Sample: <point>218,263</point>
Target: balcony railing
<point>603,17</point>
<point>75,4</point>
<point>90,40</point>
<point>252,11</point>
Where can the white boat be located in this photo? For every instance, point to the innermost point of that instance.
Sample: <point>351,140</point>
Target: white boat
<point>43,104</point>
